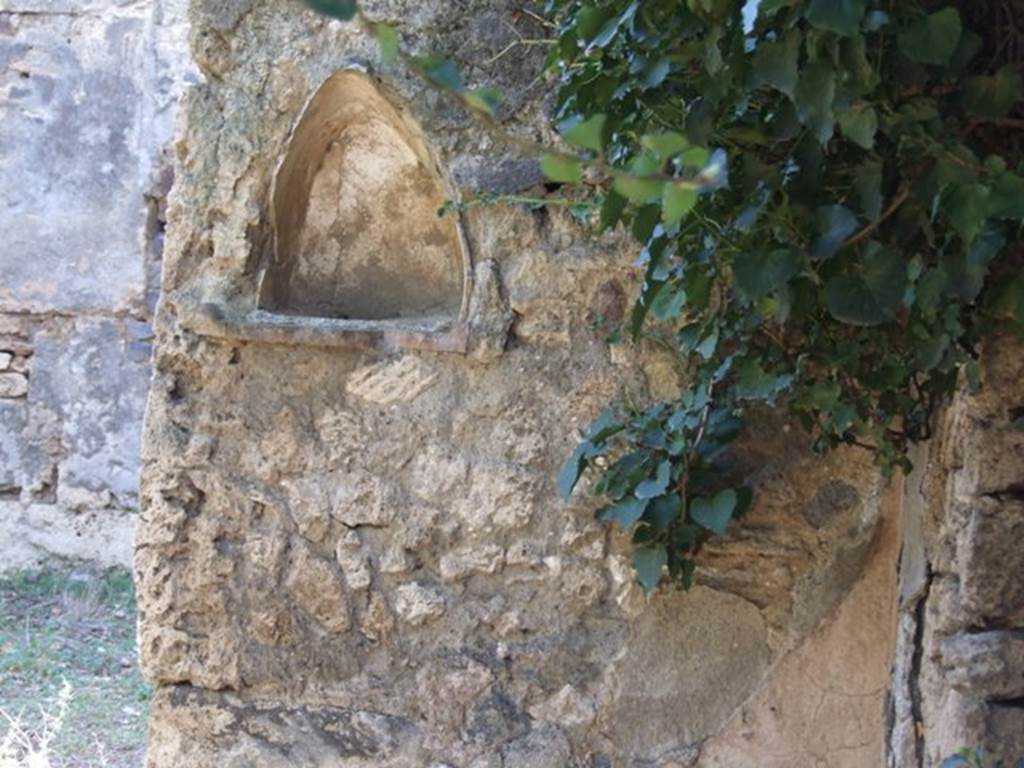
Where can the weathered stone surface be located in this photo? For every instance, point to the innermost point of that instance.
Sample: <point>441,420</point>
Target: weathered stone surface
<point>482,558</point>
<point>715,643</point>
<point>229,731</point>
<point>824,701</point>
<point>992,561</point>
<point>376,529</point>
<point>544,747</point>
<point>958,659</point>
<point>33,534</point>
<point>392,381</point>
<point>419,604</point>
<point>316,587</point>
<point>13,385</point>
<point>87,105</point>
<point>87,108</point>
<point>988,665</point>
<point>69,446</point>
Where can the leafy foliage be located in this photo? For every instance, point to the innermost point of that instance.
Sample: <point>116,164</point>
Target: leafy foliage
<point>845,271</point>
<point>972,758</point>
<point>824,221</point>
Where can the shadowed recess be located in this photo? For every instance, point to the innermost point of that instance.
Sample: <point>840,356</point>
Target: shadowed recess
<point>355,202</point>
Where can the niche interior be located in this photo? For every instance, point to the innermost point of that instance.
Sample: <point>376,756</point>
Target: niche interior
<point>354,214</point>
<point>359,256</point>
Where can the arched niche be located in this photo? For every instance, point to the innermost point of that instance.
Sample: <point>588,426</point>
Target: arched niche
<point>354,213</point>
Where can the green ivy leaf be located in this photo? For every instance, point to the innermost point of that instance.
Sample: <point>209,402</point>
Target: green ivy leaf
<point>610,29</point>
<point>696,157</point>
<point>677,201</point>
<point>561,169</point>
<point>708,344</point>
<point>387,41</point>
<point>753,382</point>
<point>993,96</point>
<point>669,303</point>
<point>929,351</point>
<point>868,184</point>
<point>775,63</point>
<point>648,563</point>
<point>664,145</point>
<point>656,73</point>
<point>338,9</point>
<point>570,474</point>
<point>967,271</point>
<point>932,39</point>
<point>885,274</point>
<point>836,223</point>
<point>440,72</point>
<point>611,210</point>
<point>929,290</point>
<point>604,426</point>
<point>590,19</point>
<point>625,512</point>
<point>662,511</point>
<point>967,206</point>
<point>859,125</point>
<point>648,295</point>
<point>1007,300</point>
<point>850,301</point>
<point>657,485</point>
<point>714,513</point>
<point>814,95</point>
<point>824,395</point>
<point>1006,197</point>
<point>585,133</point>
<point>839,16</point>
<point>483,100</point>
<point>638,190</point>
<point>758,274</point>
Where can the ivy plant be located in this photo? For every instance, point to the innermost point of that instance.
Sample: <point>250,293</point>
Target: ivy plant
<point>825,204</point>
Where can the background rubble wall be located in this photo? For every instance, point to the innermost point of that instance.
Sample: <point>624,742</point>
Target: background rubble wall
<point>87,96</point>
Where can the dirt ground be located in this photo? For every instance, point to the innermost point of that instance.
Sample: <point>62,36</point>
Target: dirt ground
<point>70,689</point>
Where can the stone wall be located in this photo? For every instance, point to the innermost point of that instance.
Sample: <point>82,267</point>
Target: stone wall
<point>87,95</point>
<point>959,673</point>
<point>351,552</point>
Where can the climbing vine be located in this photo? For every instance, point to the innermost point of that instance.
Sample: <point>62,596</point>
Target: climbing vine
<point>827,197</point>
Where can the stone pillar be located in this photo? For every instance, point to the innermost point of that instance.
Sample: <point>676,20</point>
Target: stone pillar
<point>959,670</point>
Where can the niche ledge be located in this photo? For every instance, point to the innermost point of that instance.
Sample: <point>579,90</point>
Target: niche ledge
<point>483,333</point>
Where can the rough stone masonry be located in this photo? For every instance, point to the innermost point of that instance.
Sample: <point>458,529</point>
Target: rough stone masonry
<point>87,91</point>
<point>351,552</point>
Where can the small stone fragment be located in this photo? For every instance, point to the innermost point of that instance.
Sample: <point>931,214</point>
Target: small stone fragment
<point>396,560</point>
<point>13,385</point>
<point>418,604</point>
<point>459,565</point>
<point>316,587</point>
<point>354,561</point>
<point>378,621</point>
<point>986,665</point>
<point>543,747</point>
<point>567,707</point>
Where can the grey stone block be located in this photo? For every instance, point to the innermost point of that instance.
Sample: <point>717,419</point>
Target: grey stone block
<point>987,665</point>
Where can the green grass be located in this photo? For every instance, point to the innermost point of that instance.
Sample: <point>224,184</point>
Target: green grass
<point>79,627</point>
